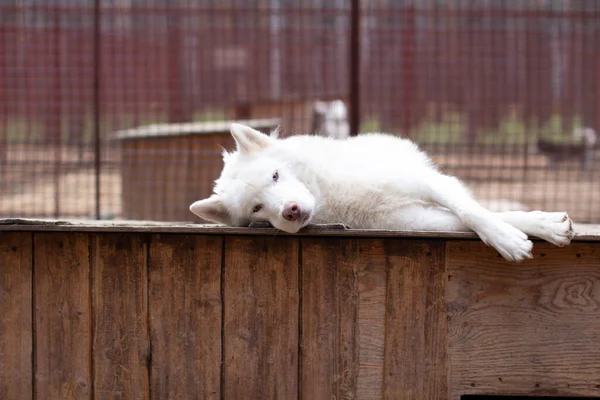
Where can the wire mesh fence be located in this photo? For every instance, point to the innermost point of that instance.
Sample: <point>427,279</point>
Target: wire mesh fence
<point>117,109</point>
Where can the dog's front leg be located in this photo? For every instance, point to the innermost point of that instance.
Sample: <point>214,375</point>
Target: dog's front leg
<point>449,192</point>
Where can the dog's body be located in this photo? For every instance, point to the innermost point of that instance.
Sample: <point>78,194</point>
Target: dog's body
<point>371,181</point>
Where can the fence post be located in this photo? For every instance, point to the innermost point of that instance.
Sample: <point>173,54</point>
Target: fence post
<point>178,90</point>
<point>354,84</point>
<point>54,111</point>
<point>408,72</point>
<point>96,100</point>
<point>3,103</point>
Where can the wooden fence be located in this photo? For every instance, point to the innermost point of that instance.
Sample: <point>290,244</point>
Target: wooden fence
<point>164,312</point>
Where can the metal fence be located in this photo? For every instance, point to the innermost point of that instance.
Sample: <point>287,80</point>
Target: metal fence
<point>503,94</point>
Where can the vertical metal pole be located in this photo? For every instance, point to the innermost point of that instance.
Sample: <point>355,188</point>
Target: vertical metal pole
<point>178,110</point>
<point>275,24</point>
<point>55,117</point>
<point>96,101</point>
<point>3,102</point>
<point>354,84</point>
<point>408,73</point>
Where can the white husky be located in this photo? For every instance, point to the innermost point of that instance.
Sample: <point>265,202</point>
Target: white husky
<point>372,181</point>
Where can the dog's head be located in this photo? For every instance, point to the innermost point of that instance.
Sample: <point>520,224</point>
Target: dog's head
<point>257,184</point>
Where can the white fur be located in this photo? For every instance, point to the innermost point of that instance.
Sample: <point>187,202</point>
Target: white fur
<point>372,181</point>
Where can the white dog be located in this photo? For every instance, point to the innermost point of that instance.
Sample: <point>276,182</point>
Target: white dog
<point>371,181</point>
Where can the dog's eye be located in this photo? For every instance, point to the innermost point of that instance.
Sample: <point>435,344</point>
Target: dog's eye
<point>275,176</point>
<point>257,208</point>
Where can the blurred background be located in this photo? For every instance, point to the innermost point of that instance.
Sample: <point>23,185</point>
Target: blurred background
<point>118,108</point>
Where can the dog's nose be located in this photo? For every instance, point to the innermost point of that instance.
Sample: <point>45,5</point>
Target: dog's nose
<point>292,211</point>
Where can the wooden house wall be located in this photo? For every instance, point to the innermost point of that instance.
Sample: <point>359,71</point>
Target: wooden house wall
<point>170,316</point>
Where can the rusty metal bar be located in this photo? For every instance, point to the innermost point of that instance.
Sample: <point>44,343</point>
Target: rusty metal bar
<point>408,72</point>
<point>3,107</point>
<point>354,84</point>
<point>55,113</point>
<point>96,102</point>
<point>478,12</point>
<point>176,111</point>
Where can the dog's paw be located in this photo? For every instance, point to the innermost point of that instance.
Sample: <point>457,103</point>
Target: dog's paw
<point>515,249</point>
<point>510,242</point>
<point>555,227</point>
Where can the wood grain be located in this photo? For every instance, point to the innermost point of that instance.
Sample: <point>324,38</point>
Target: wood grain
<point>329,318</point>
<point>130,167</point>
<point>204,166</point>
<point>185,316</point>
<point>121,345</point>
<point>183,168</point>
<point>261,302</point>
<point>524,329</point>
<point>371,321</point>
<point>372,277</point>
<point>415,346</point>
<point>62,316</point>
<point>16,324</point>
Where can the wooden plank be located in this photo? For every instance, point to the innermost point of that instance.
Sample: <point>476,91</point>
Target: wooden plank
<point>152,203</point>
<point>185,316</point>
<point>415,347</point>
<point>324,230</point>
<point>524,329</point>
<point>172,167</point>
<point>591,233</point>
<point>121,345</point>
<point>329,318</point>
<point>260,318</point>
<point>129,177</point>
<point>62,316</point>
<point>371,319</point>
<point>16,325</point>
<point>205,164</point>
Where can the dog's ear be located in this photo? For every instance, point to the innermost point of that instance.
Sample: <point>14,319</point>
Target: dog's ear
<point>211,209</point>
<point>249,140</point>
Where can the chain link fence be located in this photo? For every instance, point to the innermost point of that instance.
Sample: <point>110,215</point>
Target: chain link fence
<point>117,109</point>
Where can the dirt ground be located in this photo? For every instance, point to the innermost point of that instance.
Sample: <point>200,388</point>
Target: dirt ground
<point>37,182</point>
<point>32,186</point>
